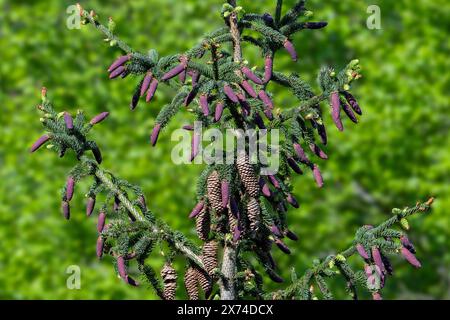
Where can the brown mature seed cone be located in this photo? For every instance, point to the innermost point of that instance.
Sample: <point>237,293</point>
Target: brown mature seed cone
<point>169,276</point>
<point>214,189</point>
<point>203,224</point>
<point>248,176</point>
<point>253,212</point>
<point>204,281</point>
<point>191,283</point>
<point>209,255</point>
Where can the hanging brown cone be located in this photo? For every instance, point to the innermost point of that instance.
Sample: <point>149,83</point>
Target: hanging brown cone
<point>214,188</point>
<point>204,281</point>
<point>209,255</point>
<point>253,212</point>
<point>247,175</point>
<point>203,224</point>
<point>169,276</point>
<point>191,283</point>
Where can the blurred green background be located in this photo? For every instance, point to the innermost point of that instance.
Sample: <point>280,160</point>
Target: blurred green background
<point>397,155</point>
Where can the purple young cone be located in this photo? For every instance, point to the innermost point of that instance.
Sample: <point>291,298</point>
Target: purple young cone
<point>197,209</point>
<point>251,76</point>
<point>268,113</point>
<point>39,142</point>
<point>349,112</point>
<point>152,90</point>
<point>174,72</point>
<point>234,207</point>
<point>411,258</point>
<point>182,76</point>
<point>259,121</point>
<point>230,93</point>
<point>275,277</point>
<point>274,181</point>
<point>66,209</point>
<point>377,296</point>
<point>131,281</point>
<point>291,235</point>
<point>317,176</point>
<point>321,130</point>
<point>204,104</point>
<point>244,104</point>
<point>265,99</point>
<point>146,83</point>
<point>336,110</point>
<point>68,120</point>
<point>376,256</point>
<point>225,189</point>
<point>155,134</point>
<point>290,48</point>
<point>265,190</point>
<point>276,231</point>
<point>188,127</point>
<point>70,185</point>
<point>117,72</point>
<point>190,97</point>
<point>353,103</point>
<point>316,25</point>
<point>219,111</point>
<point>90,206</point>
<point>195,76</point>
<point>249,89</point>
<point>362,252</point>
<point>99,118</point>
<point>317,151</point>
<point>100,244</point>
<point>282,246</point>
<point>292,201</point>
<point>121,267</point>
<point>300,153</point>
<point>101,221</point>
<point>195,145</point>
<point>294,166</point>
<point>407,244</point>
<point>268,66</point>
<point>119,62</point>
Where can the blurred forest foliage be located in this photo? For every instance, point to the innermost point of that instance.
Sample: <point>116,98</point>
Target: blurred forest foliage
<point>397,155</point>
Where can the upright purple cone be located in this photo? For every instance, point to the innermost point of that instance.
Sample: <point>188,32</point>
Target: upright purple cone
<point>290,49</point>
<point>100,245</point>
<point>317,176</point>
<point>336,110</point>
<point>70,185</point>
<point>90,206</point>
<point>268,66</point>
<point>204,104</point>
<point>39,142</point>
<point>251,76</point>
<point>155,134</point>
<point>219,111</point>
<point>119,62</point>
<point>99,118</point>
<point>197,209</point>
<point>411,258</point>
<point>230,93</point>
<point>68,120</point>
<point>146,83</point>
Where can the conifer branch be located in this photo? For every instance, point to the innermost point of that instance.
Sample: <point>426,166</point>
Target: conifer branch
<point>301,287</point>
